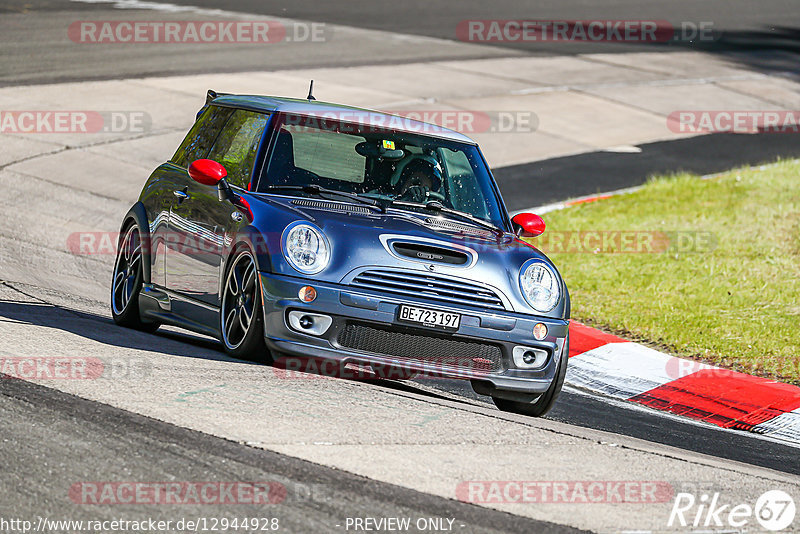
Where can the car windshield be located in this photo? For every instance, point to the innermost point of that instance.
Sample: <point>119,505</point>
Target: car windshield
<point>386,165</point>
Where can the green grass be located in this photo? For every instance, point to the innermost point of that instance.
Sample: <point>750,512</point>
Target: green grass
<point>734,303</point>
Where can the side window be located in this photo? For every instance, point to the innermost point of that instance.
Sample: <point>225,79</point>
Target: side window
<point>464,192</point>
<point>237,144</point>
<point>202,135</point>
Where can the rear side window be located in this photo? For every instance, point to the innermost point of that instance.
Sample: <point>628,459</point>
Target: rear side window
<point>236,146</point>
<point>201,137</point>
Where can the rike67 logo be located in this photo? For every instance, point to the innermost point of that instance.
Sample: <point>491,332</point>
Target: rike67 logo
<point>774,511</point>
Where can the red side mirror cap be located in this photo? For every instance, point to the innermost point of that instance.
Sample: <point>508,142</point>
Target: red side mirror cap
<point>528,224</point>
<point>207,171</point>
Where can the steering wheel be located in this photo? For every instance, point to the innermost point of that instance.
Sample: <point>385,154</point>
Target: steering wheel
<point>418,189</point>
<point>420,193</point>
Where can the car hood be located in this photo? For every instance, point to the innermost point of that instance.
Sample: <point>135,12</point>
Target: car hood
<point>363,239</point>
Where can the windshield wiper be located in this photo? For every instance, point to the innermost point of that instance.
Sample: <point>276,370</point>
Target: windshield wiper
<point>320,191</point>
<point>435,205</point>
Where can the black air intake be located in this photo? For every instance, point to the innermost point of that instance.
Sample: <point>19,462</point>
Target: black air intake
<point>434,350</point>
<point>427,253</point>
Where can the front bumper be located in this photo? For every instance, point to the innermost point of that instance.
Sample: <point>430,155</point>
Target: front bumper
<point>359,314</point>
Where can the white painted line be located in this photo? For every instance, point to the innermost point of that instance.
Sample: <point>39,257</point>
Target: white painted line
<point>565,204</point>
<point>636,407</point>
<point>539,210</point>
<point>786,426</point>
<point>653,83</point>
<point>624,370</point>
<point>623,149</point>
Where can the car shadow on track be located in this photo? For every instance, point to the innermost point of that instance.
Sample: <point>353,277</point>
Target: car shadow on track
<point>399,380</point>
<point>103,330</point>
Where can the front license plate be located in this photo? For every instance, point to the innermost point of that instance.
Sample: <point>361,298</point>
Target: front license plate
<point>428,317</point>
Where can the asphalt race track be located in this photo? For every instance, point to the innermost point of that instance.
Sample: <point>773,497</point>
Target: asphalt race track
<point>343,449</point>
<point>741,24</point>
<point>566,177</point>
<point>46,423</point>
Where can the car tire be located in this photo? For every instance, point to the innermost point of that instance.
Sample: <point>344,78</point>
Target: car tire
<point>126,283</point>
<point>243,337</point>
<point>546,400</point>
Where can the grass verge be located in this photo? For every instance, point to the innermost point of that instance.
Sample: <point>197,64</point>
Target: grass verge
<point>708,269</point>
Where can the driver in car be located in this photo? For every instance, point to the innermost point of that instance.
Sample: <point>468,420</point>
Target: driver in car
<point>418,179</point>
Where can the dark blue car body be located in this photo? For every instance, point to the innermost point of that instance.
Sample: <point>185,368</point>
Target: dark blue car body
<point>379,261</point>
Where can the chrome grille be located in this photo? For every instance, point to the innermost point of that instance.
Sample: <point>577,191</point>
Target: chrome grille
<point>429,286</point>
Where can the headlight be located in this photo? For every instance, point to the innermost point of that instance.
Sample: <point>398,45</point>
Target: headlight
<point>539,285</point>
<point>306,248</point>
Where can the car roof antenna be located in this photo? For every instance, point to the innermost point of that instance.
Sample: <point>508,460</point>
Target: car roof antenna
<point>311,91</point>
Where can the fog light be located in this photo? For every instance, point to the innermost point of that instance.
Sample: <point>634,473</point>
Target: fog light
<point>306,322</point>
<point>540,331</point>
<point>529,357</point>
<point>315,324</point>
<point>307,294</point>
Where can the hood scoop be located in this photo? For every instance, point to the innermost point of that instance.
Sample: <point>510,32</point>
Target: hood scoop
<point>430,254</point>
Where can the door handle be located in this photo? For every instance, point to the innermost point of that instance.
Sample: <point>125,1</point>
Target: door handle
<point>182,195</point>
